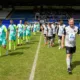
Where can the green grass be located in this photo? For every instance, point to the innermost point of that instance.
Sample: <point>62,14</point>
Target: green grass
<point>51,64</point>
<point>17,65</point>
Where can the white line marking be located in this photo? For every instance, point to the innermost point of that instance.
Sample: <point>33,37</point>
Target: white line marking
<point>35,61</point>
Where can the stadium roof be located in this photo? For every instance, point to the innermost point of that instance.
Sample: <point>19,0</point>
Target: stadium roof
<point>40,2</point>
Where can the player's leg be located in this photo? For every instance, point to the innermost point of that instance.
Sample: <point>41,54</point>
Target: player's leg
<point>45,40</point>
<point>4,46</point>
<point>53,39</point>
<point>10,45</point>
<point>59,42</point>
<point>48,41</point>
<point>14,42</point>
<point>18,39</point>
<point>21,41</point>
<point>69,51</point>
<point>34,32</point>
<point>27,33</point>
<point>73,50</point>
<point>10,41</point>
<point>29,36</point>
<point>38,29</point>
<point>68,62</point>
<point>21,38</point>
<point>23,35</point>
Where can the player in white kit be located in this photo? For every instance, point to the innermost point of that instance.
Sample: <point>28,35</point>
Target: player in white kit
<point>44,30</point>
<point>54,31</point>
<point>69,36</point>
<point>60,32</point>
<point>50,35</point>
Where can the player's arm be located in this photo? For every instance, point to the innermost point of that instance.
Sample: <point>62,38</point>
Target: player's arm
<point>76,30</point>
<point>62,42</point>
<point>47,32</point>
<point>63,39</point>
<point>17,28</point>
<point>57,29</point>
<point>5,29</point>
<point>31,27</point>
<point>8,30</point>
<point>42,28</point>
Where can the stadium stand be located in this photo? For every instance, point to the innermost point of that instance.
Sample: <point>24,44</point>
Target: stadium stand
<point>23,14</point>
<point>32,16</point>
<point>4,13</point>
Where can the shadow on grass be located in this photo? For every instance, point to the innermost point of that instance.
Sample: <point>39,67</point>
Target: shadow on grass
<point>56,44</point>
<point>22,48</point>
<point>31,42</point>
<point>35,41</point>
<point>15,53</point>
<point>12,53</point>
<point>74,64</point>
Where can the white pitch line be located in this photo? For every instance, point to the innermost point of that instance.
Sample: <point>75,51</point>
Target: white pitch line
<point>35,61</point>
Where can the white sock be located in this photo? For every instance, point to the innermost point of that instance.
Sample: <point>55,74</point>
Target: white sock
<point>68,62</point>
<point>71,59</point>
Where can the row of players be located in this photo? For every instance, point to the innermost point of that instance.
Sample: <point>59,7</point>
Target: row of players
<point>20,31</point>
<point>50,30</point>
<point>66,34</point>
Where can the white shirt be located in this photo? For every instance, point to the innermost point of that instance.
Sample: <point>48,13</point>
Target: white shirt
<point>44,29</point>
<point>50,31</point>
<point>70,36</point>
<point>61,29</point>
<point>54,28</point>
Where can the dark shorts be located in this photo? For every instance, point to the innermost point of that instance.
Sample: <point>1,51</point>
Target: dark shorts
<point>45,35</point>
<point>60,37</point>
<point>70,50</point>
<point>54,35</point>
<point>50,37</point>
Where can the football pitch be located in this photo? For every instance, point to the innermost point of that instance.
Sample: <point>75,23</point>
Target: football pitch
<point>50,63</point>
